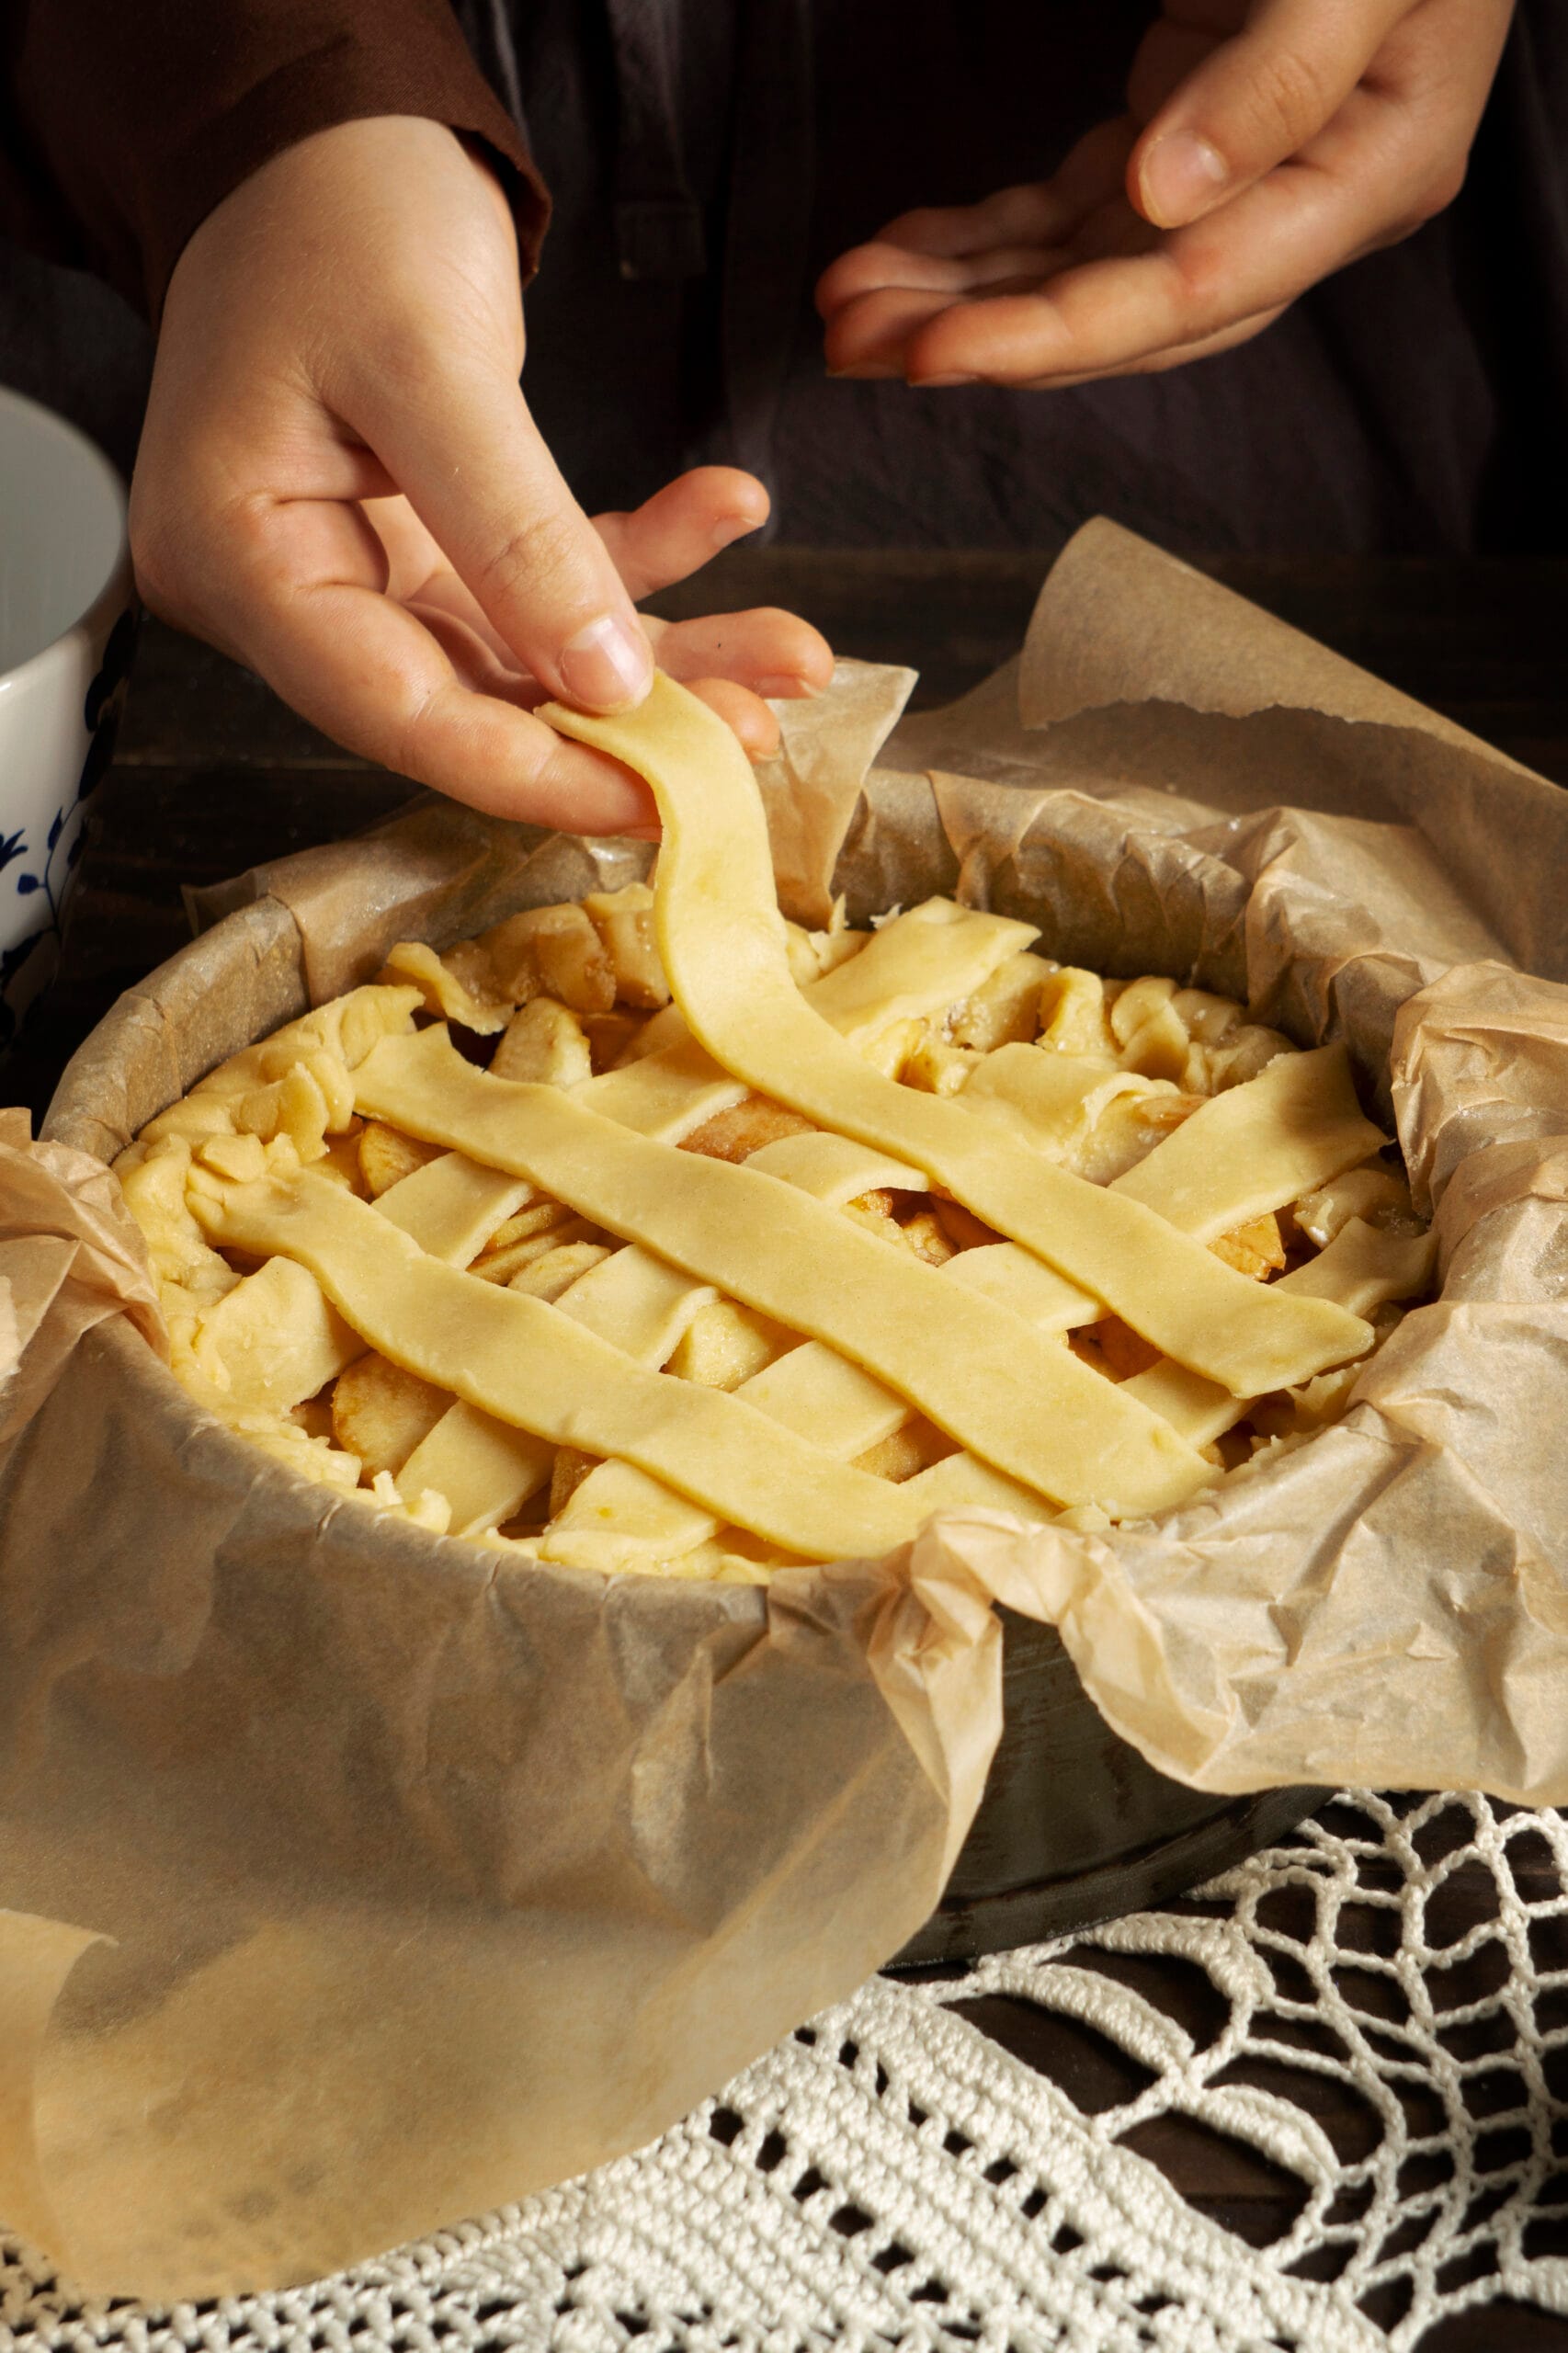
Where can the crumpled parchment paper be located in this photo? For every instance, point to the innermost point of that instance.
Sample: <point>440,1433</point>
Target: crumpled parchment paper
<point>359,1879</point>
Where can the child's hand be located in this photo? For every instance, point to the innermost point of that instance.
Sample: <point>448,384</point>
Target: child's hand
<point>1265,146</point>
<point>340,484</point>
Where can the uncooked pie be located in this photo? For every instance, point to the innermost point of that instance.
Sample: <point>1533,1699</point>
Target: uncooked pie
<point>654,1234</point>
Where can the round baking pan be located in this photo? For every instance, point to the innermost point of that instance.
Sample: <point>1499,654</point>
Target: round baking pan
<point>1074,1826</point>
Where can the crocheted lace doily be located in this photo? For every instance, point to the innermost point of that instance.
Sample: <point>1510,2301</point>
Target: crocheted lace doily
<point>1370,2019</point>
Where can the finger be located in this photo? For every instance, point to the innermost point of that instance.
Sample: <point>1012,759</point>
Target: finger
<point>462,445</point>
<point>1035,213</point>
<point>868,336</point>
<point>871,337</point>
<point>362,668</point>
<point>868,339</point>
<point>911,250</point>
<point>881,268</point>
<point>771,653</point>
<point>411,556</point>
<point>1167,54</point>
<point>1181,355</point>
<point>304,606</point>
<point>874,339</point>
<point>419,576</point>
<point>871,268</point>
<point>751,719</point>
<point>335,465</point>
<point>1040,213</point>
<point>1254,101</point>
<point>705,657</point>
<point>675,532</point>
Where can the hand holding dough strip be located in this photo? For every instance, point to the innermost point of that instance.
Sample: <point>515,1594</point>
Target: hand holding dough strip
<point>722,944</point>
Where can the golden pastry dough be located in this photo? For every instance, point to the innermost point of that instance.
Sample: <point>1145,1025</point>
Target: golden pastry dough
<point>272,1342</point>
<point>527,1364</point>
<point>621,1519</point>
<point>1361,1268</point>
<point>1256,1146</point>
<point>879,1193</point>
<point>916,965</point>
<point>488,1471</point>
<point>1030,1409</point>
<point>722,942</point>
<point>821,1398</point>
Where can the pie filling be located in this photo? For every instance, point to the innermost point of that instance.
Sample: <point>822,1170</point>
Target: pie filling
<point>654,1233</point>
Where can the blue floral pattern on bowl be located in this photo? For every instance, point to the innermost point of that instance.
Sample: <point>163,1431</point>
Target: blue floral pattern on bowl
<point>48,872</point>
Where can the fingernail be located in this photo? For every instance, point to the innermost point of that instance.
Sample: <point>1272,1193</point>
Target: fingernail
<point>732,528</point>
<point>783,687</point>
<point>928,383</point>
<point>1182,177</point>
<point>643,833</point>
<point>868,372</point>
<point>607,664</point>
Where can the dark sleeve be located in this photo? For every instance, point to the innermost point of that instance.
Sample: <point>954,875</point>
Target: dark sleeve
<point>129,120</point>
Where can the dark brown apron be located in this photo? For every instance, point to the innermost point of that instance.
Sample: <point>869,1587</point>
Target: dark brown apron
<point>710,157</point>
<point>707,160</point>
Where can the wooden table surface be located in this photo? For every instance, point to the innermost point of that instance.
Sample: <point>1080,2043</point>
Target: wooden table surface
<point>213,775</point>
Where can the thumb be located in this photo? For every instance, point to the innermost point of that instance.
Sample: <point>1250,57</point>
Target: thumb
<point>478,474</point>
<point>1254,102</point>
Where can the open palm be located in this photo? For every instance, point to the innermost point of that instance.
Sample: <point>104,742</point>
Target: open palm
<point>1265,143</point>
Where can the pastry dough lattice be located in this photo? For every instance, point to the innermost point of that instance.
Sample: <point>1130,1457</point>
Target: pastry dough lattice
<point>859,1225</point>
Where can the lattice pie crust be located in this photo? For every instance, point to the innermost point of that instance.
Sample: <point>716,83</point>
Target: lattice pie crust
<point>861,1226</point>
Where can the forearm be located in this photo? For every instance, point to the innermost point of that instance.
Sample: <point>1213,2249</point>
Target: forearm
<point>129,124</point>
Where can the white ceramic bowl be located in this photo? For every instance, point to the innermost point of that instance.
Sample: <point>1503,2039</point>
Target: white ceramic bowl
<point>66,630</point>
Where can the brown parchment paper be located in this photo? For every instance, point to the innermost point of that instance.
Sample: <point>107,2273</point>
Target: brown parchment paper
<point>359,1879</point>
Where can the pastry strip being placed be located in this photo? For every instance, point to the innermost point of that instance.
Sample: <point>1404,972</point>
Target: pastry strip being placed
<point>924,961</point>
<point>976,1368</point>
<point>527,1364</point>
<point>724,947</point>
